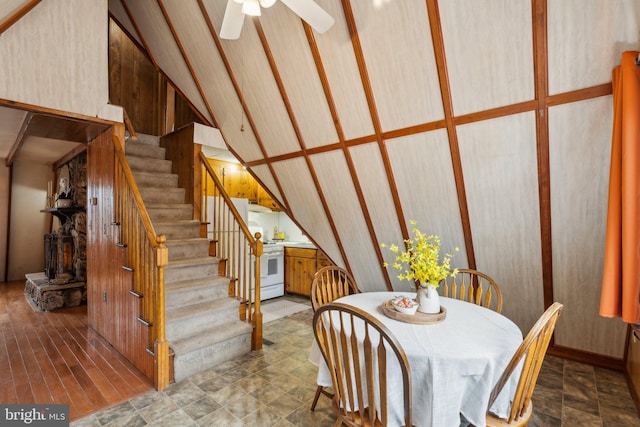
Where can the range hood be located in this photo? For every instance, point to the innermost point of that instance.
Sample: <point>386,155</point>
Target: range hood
<point>254,207</point>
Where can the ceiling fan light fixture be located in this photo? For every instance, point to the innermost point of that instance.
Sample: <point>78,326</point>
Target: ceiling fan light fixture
<point>267,3</point>
<point>251,7</point>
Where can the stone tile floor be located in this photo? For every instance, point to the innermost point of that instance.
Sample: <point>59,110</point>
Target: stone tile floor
<point>275,386</point>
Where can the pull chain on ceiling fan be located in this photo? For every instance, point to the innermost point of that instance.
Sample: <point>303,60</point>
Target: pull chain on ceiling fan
<point>308,10</point>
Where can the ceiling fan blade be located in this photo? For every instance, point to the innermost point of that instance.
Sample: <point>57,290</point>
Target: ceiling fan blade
<point>232,21</point>
<point>310,12</point>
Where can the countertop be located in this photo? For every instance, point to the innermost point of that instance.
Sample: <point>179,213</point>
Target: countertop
<point>307,245</point>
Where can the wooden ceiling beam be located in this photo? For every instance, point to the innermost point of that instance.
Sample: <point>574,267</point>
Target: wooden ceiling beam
<point>187,61</point>
<point>234,81</point>
<point>324,81</point>
<point>447,106</point>
<point>375,119</point>
<point>303,148</point>
<point>15,148</point>
<point>541,77</point>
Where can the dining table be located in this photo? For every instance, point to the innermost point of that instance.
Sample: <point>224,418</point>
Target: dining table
<point>454,362</point>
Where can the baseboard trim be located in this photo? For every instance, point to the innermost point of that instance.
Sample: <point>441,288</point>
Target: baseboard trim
<point>589,358</point>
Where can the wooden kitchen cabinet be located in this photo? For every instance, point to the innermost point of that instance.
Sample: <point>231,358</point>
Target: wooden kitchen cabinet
<point>300,265</point>
<point>265,199</point>
<point>299,268</point>
<point>240,183</point>
<point>236,180</point>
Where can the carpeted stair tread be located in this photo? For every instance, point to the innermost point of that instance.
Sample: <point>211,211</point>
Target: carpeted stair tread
<point>194,291</point>
<point>176,314</point>
<point>179,229</point>
<point>177,211</point>
<point>192,284</point>
<point>192,262</point>
<point>144,150</point>
<point>162,194</point>
<point>164,205</point>
<point>187,248</point>
<point>210,336</point>
<point>144,138</point>
<point>156,179</point>
<point>140,164</point>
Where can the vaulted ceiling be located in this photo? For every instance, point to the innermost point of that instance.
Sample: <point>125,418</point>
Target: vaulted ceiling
<point>488,122</point>
<point>481,120</point>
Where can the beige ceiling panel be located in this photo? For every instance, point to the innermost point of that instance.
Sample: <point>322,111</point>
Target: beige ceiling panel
<point>422,169</point>
<point>586,39</point>
<point>250,67</point>
<point>343,75</point>
<point>192,29</point>
<point>44,151</point>
<point>489,48</point>
<point>266,178</point>
<point>120,15</point>
<point>377,194</point>
<point>340,194</point>
<point>579,191</point>
<point>155,31</point>
<point>9,7</point>
<point>499,161</point>
<point>398,52</point>
<point>290,49</point>
<point>64,67</point>
<point>306,206</point>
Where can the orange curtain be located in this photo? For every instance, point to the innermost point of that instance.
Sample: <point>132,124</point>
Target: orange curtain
<point>621,280</point>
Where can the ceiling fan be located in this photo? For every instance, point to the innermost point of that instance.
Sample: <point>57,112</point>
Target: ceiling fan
<point>308,10</point>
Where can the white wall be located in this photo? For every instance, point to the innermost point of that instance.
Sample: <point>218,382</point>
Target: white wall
<point>269,220</point>
<point>4,215</point>
<point>56,56</point>
<point>28,224</point>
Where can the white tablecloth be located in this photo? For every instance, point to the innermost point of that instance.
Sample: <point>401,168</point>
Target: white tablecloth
<point>454,364</point>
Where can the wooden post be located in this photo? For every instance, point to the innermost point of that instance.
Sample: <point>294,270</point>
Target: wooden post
<point>161,345</point>
<point>256,318</point>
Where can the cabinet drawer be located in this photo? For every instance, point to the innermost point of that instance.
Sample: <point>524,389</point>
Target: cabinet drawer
<point>300,252</point>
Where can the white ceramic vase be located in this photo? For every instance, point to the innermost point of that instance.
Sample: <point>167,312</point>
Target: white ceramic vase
<point>428,299</point>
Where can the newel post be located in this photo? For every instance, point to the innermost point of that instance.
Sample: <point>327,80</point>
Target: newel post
<point>256,318</point>
<point>161,345</point>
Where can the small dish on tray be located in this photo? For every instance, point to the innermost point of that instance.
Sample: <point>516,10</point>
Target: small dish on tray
<point>405,305</point>
<point>419,318</point>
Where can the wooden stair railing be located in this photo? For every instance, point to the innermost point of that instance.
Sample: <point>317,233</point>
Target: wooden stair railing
<point>232,241</point>
<point>146,256</point>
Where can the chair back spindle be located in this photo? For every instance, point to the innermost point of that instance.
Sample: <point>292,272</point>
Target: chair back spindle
<point>475,287</point>
<point>531,354</point>
<point>358,350</point>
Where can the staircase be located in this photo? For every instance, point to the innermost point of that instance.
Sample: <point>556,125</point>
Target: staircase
<point>202,321</point>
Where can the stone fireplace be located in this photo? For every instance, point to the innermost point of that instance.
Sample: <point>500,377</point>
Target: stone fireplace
<point>63,282</point>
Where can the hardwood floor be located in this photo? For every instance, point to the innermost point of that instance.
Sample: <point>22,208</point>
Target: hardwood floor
<point>55,357</point>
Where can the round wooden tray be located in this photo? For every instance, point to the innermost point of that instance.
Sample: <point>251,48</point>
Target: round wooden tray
<point>421,318</point>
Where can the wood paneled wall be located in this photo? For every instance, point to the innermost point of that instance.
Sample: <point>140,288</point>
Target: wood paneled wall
<point>183,154</point>
<point>112,310</point>
<point>135,84</point>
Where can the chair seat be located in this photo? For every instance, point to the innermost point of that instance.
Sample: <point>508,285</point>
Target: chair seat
<point>358,421</point>
<point>493,421</point>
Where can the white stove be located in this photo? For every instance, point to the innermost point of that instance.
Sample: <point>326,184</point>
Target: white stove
<point>272,271</point>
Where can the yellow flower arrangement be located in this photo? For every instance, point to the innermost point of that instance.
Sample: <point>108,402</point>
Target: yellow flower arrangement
<point>420,262</point>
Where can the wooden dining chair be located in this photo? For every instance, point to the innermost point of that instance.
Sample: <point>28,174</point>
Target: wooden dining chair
<point>330,283</point>
<point>358,363</point>
<point>475,287</point>
<point>532,350</point>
